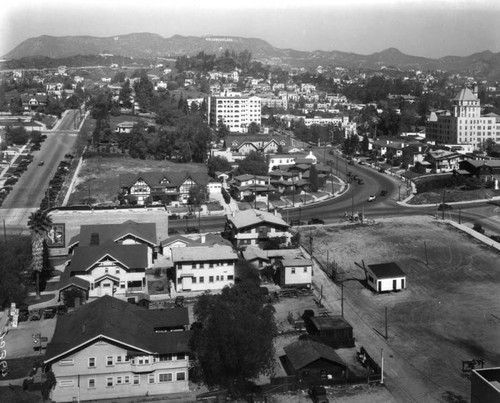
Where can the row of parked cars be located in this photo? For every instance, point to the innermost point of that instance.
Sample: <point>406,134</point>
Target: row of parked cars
<point>44,313</point>
<point>312,221</point>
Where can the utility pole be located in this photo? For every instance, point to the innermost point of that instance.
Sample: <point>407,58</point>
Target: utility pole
<point>386,323</point>
<point>442,205</point>
<point>381,366</point>
<point>342,298</point>
<point>460,216</point>
<point>352,201</point>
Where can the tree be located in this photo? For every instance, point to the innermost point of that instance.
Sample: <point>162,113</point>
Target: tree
<point>313,178</point>
<point>365,144</point>
<point>218,164</point>
<point>39,224</point>
<point>233,339</point>
<point>15,258</point>
<point>253,128</point>
<point>198,195</point>
<point>125,94</point>
<point>253,164</point>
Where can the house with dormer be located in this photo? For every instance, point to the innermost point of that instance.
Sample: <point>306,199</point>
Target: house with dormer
<point>266,144</point>
<point>246,185</point>
<point>110,349</point>
<point>254,227</point>
<point>165,187</point>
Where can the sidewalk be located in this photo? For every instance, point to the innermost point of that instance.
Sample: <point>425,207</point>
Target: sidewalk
<point>4,171</point>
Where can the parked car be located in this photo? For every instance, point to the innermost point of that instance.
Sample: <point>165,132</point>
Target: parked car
<point>35,315</point>
<point>172,231</point>
<point>315,221</point>
<point>371,198</point>
<point>383,193</point>
<point>41,163</point>
<point>360,181</point>
<point>296,222</point>
<point>49,313</point>
<point>62,310</point>
<point>174,217</point>
<point>318,394</point>
<point>189,215</point>
<point>445,206</point>
<point>23,315</point>
<point>351,162</point>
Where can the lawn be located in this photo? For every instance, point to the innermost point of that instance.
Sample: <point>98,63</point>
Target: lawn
<point>99,176</point>
<point>450,310</point>
<point>453,195</point>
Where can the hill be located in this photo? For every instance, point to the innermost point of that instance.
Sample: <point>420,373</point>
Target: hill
<point>149,46</point>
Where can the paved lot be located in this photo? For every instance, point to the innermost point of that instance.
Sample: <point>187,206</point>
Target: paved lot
<point>448,313</point>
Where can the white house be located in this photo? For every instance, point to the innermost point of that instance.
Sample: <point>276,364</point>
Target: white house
<point>110,349</point>
<point>385,277</point>
<point>205,267</point>
<point>295,272</point>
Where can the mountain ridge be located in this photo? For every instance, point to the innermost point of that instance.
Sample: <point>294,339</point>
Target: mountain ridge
<point>151,45</point>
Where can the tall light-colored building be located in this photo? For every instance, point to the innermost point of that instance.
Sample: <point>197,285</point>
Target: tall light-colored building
<point>464,124</point>
<point>234,110</point>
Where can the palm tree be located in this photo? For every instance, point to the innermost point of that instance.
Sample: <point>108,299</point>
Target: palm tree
<point>39,224</point>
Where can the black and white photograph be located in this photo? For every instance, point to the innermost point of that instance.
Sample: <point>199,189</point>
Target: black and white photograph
<point>279,201</point>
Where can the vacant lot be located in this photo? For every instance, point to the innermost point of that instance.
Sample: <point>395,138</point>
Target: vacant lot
<point>453,195</point>
<point>449,312</point>
<point>100,176</point>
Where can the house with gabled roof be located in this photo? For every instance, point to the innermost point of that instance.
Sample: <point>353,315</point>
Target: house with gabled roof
<point>127,233</point>
<point>167,187</point>
<point>265,143</point>
<point>112,349</point>
<point>246,184</point>
<point>204,267</point>
<point>109,269</point>
<point>252,227</point>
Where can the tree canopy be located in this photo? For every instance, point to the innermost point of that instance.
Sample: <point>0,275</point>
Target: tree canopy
<point>253,164</point>
<point>233,339</point>
<point>218,164</point>
<point>16,260</point>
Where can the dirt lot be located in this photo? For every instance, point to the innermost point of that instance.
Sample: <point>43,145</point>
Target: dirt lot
<point>453,195</point>
<point>99,176</point>
<point>448,313</point>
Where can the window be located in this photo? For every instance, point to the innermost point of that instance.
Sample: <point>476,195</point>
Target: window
<point>118,380</point>
<point>91,362</point>
<point>293,270</point>
<point>217,278</point>
<point>181,376</point>
<point>194,280</point>
<point>230,277</point>
<point>126,379</point>
<point>118,359</point>
<point>136,380</point>
<point>109,360</point>
<point>211,265</point>
<point>109,382</point>
<point>106,270</point>
<point>202,279</point>
<point>211,279</point>
<point>165,377</point>
<point>66,383</point>
<point>193,266</point>
<point>91,383</point>
<point>117,271</point>
<point>151,378</point>
<point>305,269</point>
<point>181,356</point>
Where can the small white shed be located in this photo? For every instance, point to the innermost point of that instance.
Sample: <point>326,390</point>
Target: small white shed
<point>385,277</point>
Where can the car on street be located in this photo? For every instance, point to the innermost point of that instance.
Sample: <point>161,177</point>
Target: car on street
<point>35,315</point>
<point>383,193</point>
<point>351,162</point>
<point>41,163</point>
<point>313,221</point>
<point>174,217</point>
<point>371,198</point>
<point>49,313</point>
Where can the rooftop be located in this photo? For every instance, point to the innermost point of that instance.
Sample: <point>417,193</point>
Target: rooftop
<point>386,270</point>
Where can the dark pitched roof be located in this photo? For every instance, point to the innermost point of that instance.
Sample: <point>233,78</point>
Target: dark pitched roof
<point>173,179</point>
<point>67,281</point>
<point>386,270</point>
<point>330,323</point>
<point>114,232</point>
<point>304,352</point>
<point>121,322</point>
<point>131,256</point>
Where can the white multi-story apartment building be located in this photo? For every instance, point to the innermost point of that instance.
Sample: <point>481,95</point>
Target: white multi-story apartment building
<point>464,124</point>
<point>235,111</point>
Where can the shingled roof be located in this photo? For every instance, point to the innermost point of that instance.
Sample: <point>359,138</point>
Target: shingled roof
<point>251,217</point>
<point>170,179</point>
<point>304,352</point>
<point>119,322</point>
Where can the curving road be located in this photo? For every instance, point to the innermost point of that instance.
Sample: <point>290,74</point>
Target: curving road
<point>29,191</point>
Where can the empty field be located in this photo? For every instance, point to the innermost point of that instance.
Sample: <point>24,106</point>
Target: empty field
<point>449,313</point>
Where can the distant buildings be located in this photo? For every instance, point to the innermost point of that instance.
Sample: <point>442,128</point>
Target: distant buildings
<point>463,125</point>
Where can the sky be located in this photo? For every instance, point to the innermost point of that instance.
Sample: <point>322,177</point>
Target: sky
<point>430,28</point>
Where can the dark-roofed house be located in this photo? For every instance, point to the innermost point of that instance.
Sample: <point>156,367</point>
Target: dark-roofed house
<point>166,187</point>
<point>311,361</point>
<point>252,227</point>
<point>109,269</point>
<point>385,277</point>
<point>127,233</point>
<point>112,349</point>
<point>204,267</point>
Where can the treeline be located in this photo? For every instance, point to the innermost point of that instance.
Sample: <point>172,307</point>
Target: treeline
<point>43,62</point>
<point>378,87</point>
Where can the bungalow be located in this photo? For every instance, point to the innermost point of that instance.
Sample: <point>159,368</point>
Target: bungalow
<point>444,161</point>
<point>124,127</point>
<point>204,267</point>
<point>314,362</point>
<point>262,143</point>
<point>166,187</point>
<point>112,349</point>
<point>481,168</point>
<point>251,227</point>
<point>385,277</point>
<point>334,331</point>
